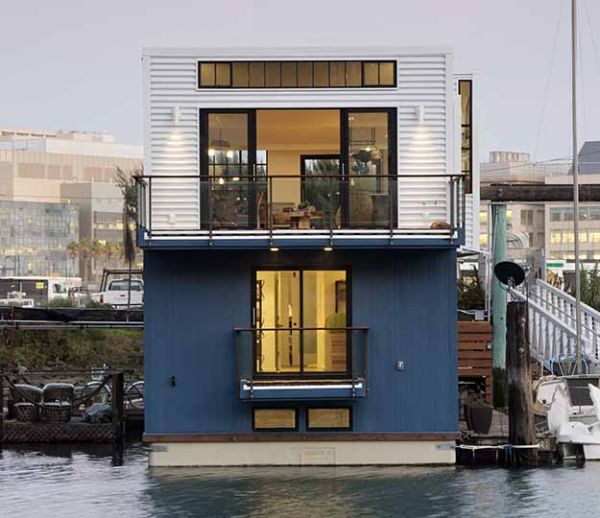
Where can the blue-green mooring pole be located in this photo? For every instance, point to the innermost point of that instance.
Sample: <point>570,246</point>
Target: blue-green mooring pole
<point>498,291</point>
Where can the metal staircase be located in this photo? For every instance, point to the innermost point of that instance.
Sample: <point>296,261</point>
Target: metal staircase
<point>552,325</point>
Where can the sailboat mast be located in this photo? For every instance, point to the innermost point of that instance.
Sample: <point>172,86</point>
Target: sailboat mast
<point>575,186</point>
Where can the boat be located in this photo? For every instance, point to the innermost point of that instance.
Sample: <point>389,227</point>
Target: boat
<point>575,389</point>
<point>574,437</point>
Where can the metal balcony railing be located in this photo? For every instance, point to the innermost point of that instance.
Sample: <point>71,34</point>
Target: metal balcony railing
<point>327,360</point>
<point>431,204</point>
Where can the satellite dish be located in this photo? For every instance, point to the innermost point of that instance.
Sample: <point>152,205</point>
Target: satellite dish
<point>509,273</point>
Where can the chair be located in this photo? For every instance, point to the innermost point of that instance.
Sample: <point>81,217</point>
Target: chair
<point>58,398</point>
<point>25,398</point>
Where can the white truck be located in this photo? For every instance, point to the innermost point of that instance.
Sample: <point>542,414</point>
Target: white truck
<point>30,291</point>
<point>115,292</point>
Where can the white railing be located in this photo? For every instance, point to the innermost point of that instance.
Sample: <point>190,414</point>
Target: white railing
<point>552,324</point>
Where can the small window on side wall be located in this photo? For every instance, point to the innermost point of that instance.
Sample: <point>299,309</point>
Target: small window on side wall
<point>274,419</point>
<point>329,418</point>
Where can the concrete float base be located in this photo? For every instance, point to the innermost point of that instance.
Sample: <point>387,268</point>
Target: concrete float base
<point>322,453</point>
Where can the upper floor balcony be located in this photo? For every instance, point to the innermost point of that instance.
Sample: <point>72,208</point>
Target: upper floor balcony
<point>320,210</point>
<point>322,177</point>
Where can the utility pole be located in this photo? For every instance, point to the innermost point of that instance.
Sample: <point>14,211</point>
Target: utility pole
<point>498,291</point>
<point>575,186</point>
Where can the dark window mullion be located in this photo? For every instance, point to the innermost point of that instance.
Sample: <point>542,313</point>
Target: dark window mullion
<point>301,339</point>
<point>260,76</point>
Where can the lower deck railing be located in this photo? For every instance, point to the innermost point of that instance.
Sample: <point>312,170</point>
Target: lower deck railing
<point>303,359</point>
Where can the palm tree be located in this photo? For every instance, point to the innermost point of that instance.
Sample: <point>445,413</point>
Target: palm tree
<point>97,250</point>
<point>73,250</point>
<point>85,247</point>
<point>126,183</point>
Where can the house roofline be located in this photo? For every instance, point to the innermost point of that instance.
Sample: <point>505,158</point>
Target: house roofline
<point>296,52</point>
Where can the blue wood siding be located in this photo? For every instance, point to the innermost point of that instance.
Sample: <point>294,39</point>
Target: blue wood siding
<point>194,299</point>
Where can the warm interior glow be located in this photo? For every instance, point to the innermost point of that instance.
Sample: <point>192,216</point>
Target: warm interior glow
<point>290,300</point>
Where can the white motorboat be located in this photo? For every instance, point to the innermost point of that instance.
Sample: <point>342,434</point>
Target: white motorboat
<point>575,388</point>
<point>574,436</point>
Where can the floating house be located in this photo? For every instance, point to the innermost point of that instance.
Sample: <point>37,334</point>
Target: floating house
<point>300,215</point>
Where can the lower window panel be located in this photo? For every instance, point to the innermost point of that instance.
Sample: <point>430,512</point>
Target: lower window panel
<point>275,419</point>
<point>329,418</point>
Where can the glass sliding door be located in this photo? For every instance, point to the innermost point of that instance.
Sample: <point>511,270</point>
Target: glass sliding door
<point>325,340</point>
<point>228,169</point>
<point>300,319</point>
<point>278,311</point>
<point>369,197</point>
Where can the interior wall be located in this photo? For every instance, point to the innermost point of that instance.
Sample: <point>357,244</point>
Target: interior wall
<point>286,135</point>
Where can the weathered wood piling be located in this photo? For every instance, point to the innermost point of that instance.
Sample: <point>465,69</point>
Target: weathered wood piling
<point>522,435</point>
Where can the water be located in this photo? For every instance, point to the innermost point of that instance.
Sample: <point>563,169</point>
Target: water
<point>90,482</point>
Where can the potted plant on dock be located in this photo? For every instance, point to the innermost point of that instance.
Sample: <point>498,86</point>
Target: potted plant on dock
<point>478,415</point>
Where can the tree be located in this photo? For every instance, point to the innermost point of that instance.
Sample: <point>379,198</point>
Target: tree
<point>470,293</point>
<point>73,249</point>
<point>85,249</point>
<point>126,183</point>
<point>590,288</point>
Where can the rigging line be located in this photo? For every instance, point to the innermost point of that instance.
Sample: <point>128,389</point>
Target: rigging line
<point>548,79</point>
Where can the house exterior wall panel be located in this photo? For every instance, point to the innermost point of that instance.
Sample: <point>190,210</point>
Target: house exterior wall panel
<point>424,77</point>
<point>193,297</point>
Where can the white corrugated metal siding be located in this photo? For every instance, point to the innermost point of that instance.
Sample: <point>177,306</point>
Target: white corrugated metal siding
<point>424,78</point>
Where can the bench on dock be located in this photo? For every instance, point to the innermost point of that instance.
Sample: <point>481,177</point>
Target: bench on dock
<point>475,355</point>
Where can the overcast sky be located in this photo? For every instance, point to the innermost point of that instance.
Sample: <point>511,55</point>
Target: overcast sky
<point>76,64</point>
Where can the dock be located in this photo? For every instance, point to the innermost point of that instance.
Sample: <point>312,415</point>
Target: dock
<point>72,428</point>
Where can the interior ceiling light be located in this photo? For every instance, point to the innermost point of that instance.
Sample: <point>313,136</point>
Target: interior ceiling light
<point>219,144</point>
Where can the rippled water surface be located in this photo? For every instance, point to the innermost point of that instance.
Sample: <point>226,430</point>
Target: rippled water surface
<point>89,482</point>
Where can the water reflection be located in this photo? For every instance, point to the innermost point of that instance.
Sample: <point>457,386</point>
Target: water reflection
<point>87,481</point>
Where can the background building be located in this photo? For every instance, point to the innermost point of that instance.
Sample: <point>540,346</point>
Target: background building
<point>544,231</point>
<point>526,222</point>
<point>77,168</point>
<point>34,238</point>
<point>559,216</point>
<point>100,221</point>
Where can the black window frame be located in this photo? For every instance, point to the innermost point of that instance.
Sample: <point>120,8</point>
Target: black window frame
<point>467,126</point>
<point>361,62</point>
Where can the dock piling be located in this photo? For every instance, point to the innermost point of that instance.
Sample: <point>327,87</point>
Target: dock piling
<point>522,434</point>
<point>117,381</point>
